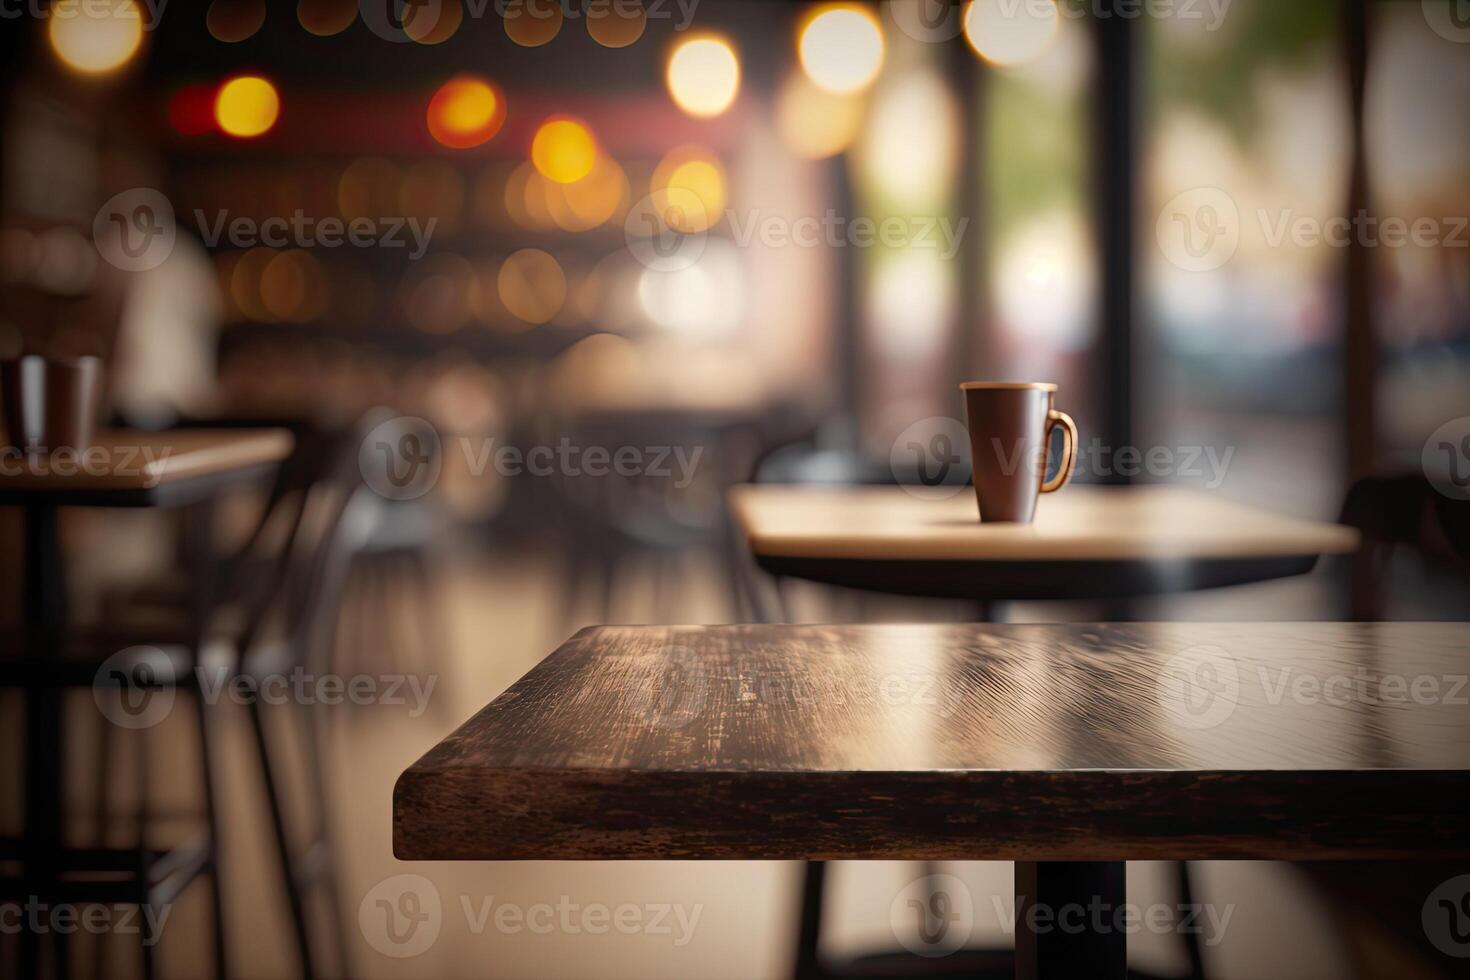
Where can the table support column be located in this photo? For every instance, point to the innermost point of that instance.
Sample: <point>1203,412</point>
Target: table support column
<point>1065,920</point>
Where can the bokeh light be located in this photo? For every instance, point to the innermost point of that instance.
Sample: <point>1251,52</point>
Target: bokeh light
<point>703,76</point>
<point>326,17</point>
<point>102,40</point>
<point>433,23</point>
<point>191,110</point>
<point>247,106</point>
<point>689,189</point>
<point>1007,33</point>
<point>590,202</point>
<point>563,149</point>
<point>466,111</point>
<point>440,294</point>
<point>841,48</point>
<point>433,190</point>
<point>368,188</point>
<point>617,24</point>
<point>293,287</point>
<point>532,23</point>
<point>704,298</point>
<point>910,146</point>
<point>232,21</point>
<point>532,285</point>
<point>813,123</point>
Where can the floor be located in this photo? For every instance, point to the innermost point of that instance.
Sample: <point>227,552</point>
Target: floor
<point>692,920</point>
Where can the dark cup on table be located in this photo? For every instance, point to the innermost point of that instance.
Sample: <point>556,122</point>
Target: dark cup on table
<point>49,404</point>
<point>1010,432</point>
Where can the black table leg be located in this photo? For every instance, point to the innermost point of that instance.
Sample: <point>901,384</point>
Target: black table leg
<point>45,612</point>
<point>808,963</point>
<point>1065,920</point>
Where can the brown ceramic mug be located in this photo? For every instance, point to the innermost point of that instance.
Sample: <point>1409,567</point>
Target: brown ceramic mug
<point>50,404</point>
<point>1010,432</point>
<point>23,396</point>
<point>71,402</point>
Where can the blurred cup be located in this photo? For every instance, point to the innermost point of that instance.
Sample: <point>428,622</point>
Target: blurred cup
<point>49,404</point>
<point>71,402</point>
<point>1010,430</point>
<point>23,399</point>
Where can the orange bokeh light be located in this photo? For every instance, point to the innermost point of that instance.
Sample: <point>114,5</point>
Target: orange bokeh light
<point>465,112</point>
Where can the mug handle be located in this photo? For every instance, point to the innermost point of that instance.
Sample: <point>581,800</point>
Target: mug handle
<point>1069,450</point>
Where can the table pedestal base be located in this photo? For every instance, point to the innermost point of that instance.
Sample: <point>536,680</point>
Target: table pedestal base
<point>1065,920</point>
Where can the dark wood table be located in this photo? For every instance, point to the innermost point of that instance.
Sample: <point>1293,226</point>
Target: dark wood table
<point>186,468</point>
<point>1086,543</point>
<point>1068,749</point>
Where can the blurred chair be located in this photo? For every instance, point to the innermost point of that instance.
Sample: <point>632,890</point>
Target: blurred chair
<point>1395,512</point>
<point>277,614</point>
<point>610,521</point>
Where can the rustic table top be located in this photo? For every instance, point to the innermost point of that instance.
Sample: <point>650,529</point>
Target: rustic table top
<point>1079,523</point>
<point>136,466</point>
<point>1025,742</point>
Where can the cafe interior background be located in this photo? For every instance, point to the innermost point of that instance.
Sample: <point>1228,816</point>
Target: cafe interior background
<point>774,236</point>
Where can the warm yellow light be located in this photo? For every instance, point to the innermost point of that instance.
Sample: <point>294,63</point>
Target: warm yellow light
<point>1008,33</point>
<point>99,38</point>
<point>232,21</point>
<point>590,202</point>
<point>563,150</point>
<point>689,189</point>
<point>704,76</point>
<point>433,23</point>
<point>326,17</point>
<point>465,112</point>
<point>532,285</point>
<point>841,48</point>
<point>815,124</point>
<point>247,106</point>
<point>532,23</point>
<point>617,24</point>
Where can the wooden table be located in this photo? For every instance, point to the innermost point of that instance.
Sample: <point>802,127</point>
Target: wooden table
<point>180,468</point>
<point>1086,543</point>
<point>1068,749</point>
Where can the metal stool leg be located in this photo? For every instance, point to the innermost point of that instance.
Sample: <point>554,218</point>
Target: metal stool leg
<point>283,845</point>
<point>808,960</point>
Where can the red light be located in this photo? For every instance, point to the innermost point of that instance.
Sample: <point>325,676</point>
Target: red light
<point>191,110</point>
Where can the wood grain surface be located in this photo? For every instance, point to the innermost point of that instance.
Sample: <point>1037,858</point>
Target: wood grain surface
<point>1025,742</point>
<point>135,460</point>
<point>1079,523</point>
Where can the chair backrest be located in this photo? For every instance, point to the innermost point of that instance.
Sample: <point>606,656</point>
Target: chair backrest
<point>287,573</point>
